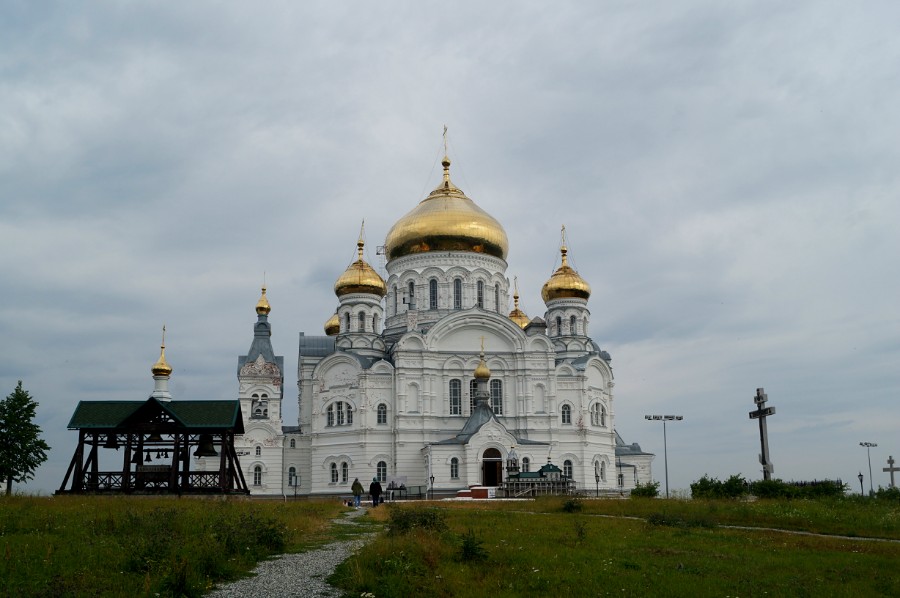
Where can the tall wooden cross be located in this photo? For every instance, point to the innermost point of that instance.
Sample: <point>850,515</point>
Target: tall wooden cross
<point>891,469</point>
<point>761,413</point>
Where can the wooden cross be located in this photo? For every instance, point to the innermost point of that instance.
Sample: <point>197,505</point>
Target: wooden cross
<point>761,413</point>
<point>891,469</point>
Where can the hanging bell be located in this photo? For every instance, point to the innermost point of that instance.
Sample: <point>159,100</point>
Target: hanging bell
<point>155,437</point>
<point>205,447</point>
<point>159,454</point>
<point>166,454</point>
<point>148,457</point>
<point>111,442</point>
<point>136,458</point>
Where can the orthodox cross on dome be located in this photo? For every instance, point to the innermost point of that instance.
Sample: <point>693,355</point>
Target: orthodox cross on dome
<point>445,140</point>
<point>891,469</point>
<point>361,243</point>
<point>761,413</point>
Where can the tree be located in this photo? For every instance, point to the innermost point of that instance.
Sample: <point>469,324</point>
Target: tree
<point>21,448</point>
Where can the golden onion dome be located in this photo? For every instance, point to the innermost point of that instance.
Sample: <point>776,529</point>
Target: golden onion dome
<point>262,306</point>
<point>446,220</point>
<point>161,368</point>
<point>482,372</point>
<point>565,282</point>
<point>333,325</point>
<point>360,277</point>
<point>517,315</point>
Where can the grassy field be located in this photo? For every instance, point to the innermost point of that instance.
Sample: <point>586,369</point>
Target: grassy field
<point>676,548</point>
<point>122,546</point>
<point>118,546</point>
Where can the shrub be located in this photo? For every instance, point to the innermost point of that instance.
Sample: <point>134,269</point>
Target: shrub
<point>572,505</point>
<point>707,487</point>
<point>888,493</point>
<point>814,489</point>
<point>402,520</point>
<point>648,490</point>
<point>471,549</point>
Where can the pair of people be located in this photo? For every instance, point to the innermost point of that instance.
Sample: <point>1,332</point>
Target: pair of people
<point>374,491</point>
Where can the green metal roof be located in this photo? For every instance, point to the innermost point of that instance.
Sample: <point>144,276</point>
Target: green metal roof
<point>187,414</point>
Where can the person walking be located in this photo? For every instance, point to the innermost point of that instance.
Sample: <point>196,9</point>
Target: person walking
<point>357,490</point>
<point>375,491</point>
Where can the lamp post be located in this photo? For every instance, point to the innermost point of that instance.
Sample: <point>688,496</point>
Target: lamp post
<point>861,491</point>
<point>664,419</point>
<point>432,487</point>
<point>869,446</point>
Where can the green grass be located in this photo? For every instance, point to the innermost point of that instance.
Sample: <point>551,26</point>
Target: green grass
<point>535,548</point>
<point>124,546</point>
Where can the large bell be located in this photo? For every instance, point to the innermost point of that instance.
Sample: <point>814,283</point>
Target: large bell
<point>205,447</point>
<point>155,437</point>
<point>111,442</point>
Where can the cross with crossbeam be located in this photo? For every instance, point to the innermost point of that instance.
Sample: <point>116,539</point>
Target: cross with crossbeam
<point>761,413</point>
<point>891,469</point>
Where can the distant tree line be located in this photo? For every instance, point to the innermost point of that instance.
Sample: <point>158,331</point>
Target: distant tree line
<point>737,486</point>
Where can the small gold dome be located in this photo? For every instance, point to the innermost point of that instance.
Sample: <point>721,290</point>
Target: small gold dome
<point>482,372</point>
<point>333,325</point>
<point>517,315</point>
<point>161,368</point>
<point>360,277</point>
<point>446,220</point>
<point>262,306</point>
<point>565,282</point>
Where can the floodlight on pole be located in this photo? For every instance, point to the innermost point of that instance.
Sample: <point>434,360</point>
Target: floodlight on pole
<point>869,446</point>
<point>664,419</point>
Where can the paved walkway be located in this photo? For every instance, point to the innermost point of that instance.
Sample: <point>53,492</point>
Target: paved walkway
<point>302,574</point>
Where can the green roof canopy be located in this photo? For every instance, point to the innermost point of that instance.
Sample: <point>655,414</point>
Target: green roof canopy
<point>192,415</point>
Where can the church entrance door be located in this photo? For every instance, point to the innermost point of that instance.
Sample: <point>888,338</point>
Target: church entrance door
<point>491,468</point>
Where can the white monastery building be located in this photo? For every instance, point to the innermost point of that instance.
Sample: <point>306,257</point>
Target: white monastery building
<point>390,390</point>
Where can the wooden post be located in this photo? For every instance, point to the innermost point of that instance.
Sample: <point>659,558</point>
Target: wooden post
<point>94,458</point>
<point>761,413</point>
<point>78,480</point>
<point>891,469</point>
<point>126,467</point>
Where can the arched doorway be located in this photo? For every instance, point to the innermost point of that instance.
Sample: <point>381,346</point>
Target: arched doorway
<point>491,467</point>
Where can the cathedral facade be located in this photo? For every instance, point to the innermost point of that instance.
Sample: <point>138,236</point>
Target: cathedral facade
<point>424,378</point>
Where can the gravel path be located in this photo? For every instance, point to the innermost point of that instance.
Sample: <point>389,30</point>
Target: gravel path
<point>303,574</point>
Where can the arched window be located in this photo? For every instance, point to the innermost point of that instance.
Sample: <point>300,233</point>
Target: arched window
<point>376,324</point>
<point>567,469</point>
<point>454,468</point>
<point>497,298</point>
<point>572,330</point>
<point>329,415</point>
<point>526,464</point>
<point>292,476</point>
<point>473,388</point>
<point>558,326</point>
<point>566,415</point>
<point>455,397</point>
<point>258,451</point>
<point>339,411</point>
<point>395,299</point>
<point>362,322</point>
<point>602,471</point>
<point>595,414</point>
<point>334,475</point>
<point>293,443</point>
<point>345,472</point>
<point>411,295</point>
<point>381,471</point>
<point>602,416</point>
<point>257,476</point>
<point>584,327</point>
<point>497,397</point>
<point>432,294</point>
<point>382,413</point>
<point>349,415</point>
<point>347,322</point>
<point>457,293</point>
<point>479,296</point>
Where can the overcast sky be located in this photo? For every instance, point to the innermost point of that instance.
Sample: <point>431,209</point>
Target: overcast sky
<point>727,173</point>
